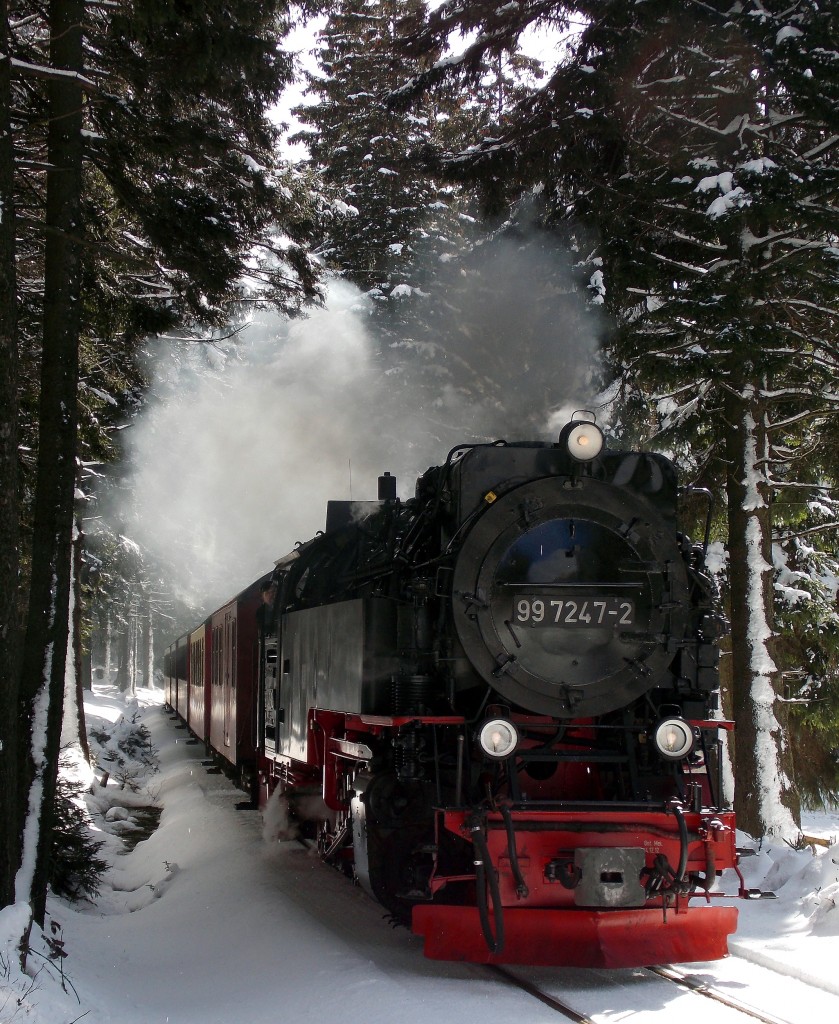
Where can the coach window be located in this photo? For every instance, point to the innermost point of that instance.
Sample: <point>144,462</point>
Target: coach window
<point>216,653</point>
<point>233,651</point>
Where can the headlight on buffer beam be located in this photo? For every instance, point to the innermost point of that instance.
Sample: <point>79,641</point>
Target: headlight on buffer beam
<point>498,738</point>
<point>674,739</point>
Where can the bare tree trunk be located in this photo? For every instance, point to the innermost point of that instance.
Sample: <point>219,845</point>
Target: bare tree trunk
<point>11,802</point>
<point>86,670</point>
<point>45,648</point>
<point>123,658</point>
<point>144,638</point>
<point>124,649</point>
<point>107,630</point>
<point>150,642</point>
<point>134,633</point>
<point>765,797</point>
<point>78,642</point>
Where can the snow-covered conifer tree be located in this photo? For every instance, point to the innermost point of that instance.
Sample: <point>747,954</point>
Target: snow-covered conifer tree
<point>391,219</point>
<point>699,141</point>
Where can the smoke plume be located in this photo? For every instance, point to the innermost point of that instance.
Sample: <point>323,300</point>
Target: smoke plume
<point>241,446</point>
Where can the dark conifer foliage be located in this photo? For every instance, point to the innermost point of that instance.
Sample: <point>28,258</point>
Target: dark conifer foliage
<point>75,866</point>
<point>148,197</point>
<point>653,112</point>
<point>179,133</point>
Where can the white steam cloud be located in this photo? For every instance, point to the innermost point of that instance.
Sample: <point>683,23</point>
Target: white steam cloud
<point>241,448</point>
<point>236,461</point>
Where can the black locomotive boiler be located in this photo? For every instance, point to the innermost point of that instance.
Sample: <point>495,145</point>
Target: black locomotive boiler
<point>505,692</point>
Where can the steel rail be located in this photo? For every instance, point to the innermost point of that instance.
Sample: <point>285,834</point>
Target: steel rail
<point>555,1004</point>
<point>668,974</point>
<point>702,989</point>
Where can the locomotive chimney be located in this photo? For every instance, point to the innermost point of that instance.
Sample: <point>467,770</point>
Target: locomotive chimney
<point>387,487</point>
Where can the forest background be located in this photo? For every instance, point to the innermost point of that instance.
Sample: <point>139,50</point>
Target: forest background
<point>659,196</point>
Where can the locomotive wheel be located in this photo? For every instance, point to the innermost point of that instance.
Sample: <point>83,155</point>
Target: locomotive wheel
<point>392,834</point>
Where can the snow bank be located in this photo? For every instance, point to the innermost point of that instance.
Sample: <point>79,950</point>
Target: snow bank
<point>212,918</point>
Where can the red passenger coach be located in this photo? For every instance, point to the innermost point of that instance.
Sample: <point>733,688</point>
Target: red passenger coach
<point>182,680</point>
<point>234,654</point>
<point>176,668</point>
<point>199,681</point>
<point>168,670</point>
<point>211,676</point>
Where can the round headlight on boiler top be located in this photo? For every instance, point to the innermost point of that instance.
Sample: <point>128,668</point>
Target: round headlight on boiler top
<point>674,739</point>
<point>498,738</point>
<point>583,439</point>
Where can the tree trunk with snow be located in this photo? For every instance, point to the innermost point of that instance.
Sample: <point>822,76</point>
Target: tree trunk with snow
<point>45,647</point>
<point>144,638</point>
<point>9,510</point>
<point>123,649</point>
<point>79,660</point>
<point>70,716</point>
<point>134,642</point>
<point>86,670</point>
<point>765,798</point>
<point>105,640</point>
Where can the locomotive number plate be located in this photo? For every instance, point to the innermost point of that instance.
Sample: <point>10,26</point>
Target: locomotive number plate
<point>609,610</point>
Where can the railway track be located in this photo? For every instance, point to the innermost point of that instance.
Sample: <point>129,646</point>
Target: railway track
<point>544,997</point>
<point>668,974</point>
<point>700,988</point>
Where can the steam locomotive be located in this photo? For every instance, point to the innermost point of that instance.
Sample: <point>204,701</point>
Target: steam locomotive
<point>503,694</point>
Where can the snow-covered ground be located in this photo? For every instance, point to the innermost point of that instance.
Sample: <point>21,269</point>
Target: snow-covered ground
<point>204,922</point>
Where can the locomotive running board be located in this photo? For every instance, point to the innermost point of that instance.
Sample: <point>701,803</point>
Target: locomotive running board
<point>578,938</point>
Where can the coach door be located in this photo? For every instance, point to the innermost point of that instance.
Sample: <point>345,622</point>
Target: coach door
<point>270,695</point>
<point>229,679</point>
